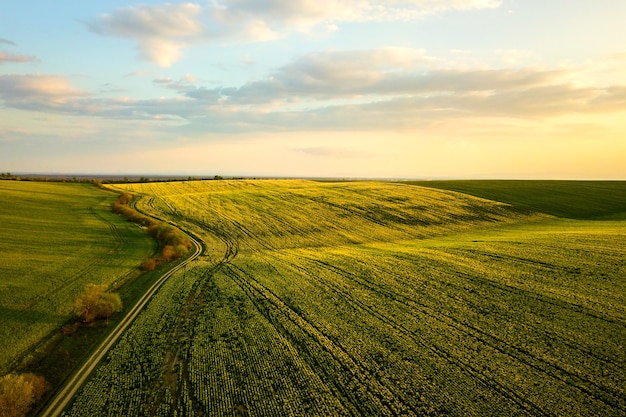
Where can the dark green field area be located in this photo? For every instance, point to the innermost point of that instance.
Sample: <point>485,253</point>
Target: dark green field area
<point>372,299</point>
<point>54,239</point>
<point>569,199</point>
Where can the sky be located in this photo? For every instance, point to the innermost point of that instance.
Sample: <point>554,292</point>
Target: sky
<point>315,88</point>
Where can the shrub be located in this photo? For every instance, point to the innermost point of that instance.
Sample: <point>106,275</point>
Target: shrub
<point>125,198</point>
<point>181,249</point>
<point>167,253</point>
<point>120,206</point>
<point>18,393</point>
<point>148,265</point>
<point>174,243</point>
<point>94,303</point>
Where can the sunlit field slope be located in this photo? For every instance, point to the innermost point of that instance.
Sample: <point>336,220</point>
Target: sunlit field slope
<point>571,199</point>
<point>266,214</point>
<point>54,239</point>
<point>377,299</point>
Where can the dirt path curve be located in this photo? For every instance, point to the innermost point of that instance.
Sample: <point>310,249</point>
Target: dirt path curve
<point>57,404</point>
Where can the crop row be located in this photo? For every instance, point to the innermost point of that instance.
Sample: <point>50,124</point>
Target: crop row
<point>294,319</point>
<point>277,214</point>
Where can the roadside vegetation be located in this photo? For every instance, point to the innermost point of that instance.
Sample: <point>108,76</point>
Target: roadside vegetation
<point>18,393</point>
<point>174,244</point>
<point>95,303</point>
<point>55,238</point>
<point>369,298</point>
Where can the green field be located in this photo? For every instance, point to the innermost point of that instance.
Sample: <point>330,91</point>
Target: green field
<point>569,199</point>
<point>54,239</point>
<point>366,298</point>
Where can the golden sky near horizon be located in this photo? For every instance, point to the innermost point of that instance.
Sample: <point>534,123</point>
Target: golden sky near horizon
<point>413,88</point>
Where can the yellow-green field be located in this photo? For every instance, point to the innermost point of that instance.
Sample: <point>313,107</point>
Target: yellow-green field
<point>54,239</point>
<point>583,200</point>
<point>366,298</point>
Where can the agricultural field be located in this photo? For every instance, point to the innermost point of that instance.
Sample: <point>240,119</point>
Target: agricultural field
<point>371,298</point>
<point>569,199</point>
<point>54,239</point>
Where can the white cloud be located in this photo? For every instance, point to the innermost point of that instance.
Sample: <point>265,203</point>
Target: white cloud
<point>392,88</point>
<point>368,75</point>
<point>162,31</point>
<point>304,14</point>
<point>37,91</point>
<point>162,21</point>
<point>377,89</point>
<point>162,52</point>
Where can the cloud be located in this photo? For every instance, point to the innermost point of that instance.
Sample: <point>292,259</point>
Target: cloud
<point>305,14</point>
<point>610,98</point>
<point>161,32</point>
<point>168,20</point>
<point>325,75</point>
<point>138,74</point>
<point>162,52</point>
<point>369,75</point>
<point>391,88</point>
<point>362,66</point>
<point>7,42</point>
<point>6,57</point>
<point>377,89</point>
<point>55,94</point>
<point>186,80</point>
<point>37,90</point>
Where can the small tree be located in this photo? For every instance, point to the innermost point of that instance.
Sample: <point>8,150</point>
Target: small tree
<point>18,393</point>
<point>148,265</point>
<point>94,303</point>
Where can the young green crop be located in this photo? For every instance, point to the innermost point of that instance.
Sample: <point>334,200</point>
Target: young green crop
<point>570,199</point>
<point>365,298</point>
<point>54,239</point>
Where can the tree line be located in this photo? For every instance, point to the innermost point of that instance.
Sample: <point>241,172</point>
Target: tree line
<point>173,243</point>
<point>103,179</point>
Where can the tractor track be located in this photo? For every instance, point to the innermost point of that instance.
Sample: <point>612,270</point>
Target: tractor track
<point>59,402</point>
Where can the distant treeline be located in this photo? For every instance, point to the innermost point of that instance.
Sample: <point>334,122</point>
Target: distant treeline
<point>174,244</point>
<point>103,179</point>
